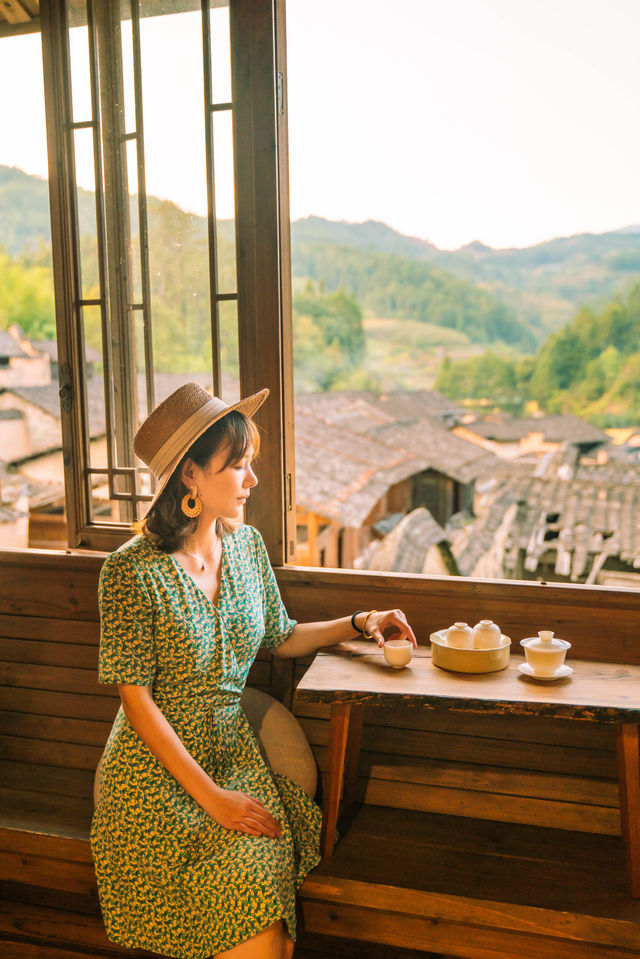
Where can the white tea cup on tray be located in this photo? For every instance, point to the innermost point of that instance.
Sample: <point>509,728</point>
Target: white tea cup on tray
<point>460,636</point>
<point>486,635</point>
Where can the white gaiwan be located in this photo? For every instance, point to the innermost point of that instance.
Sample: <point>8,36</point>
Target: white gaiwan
<point>545,654</point>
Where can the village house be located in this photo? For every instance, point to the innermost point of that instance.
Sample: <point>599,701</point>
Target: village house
<point>21,363</point>
<point>356,464</point>
<point>513,437</point>
<point>569,513</point>
<point>361,458</point>
<point>31,441</point>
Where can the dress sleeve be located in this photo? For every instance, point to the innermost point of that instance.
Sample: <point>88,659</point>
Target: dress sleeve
<point>127,648</point>
<point>277,623</point>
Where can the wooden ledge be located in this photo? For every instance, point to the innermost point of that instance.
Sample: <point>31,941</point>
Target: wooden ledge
<point>498,917</point>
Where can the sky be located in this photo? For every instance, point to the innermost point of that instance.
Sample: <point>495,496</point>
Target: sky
<point>504,121</point>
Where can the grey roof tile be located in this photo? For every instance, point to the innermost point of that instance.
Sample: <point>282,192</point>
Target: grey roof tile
<point>555,429</point>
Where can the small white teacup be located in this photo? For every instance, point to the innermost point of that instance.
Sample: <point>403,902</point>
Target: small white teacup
<point>398,652</point>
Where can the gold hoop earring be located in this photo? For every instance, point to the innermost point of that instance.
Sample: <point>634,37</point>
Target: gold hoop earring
<point>191,504</point>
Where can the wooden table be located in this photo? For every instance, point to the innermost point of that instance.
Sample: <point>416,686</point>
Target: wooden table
<point>353,675</point>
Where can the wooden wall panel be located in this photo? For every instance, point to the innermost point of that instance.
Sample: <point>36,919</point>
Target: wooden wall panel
<point>53,585</point>
<point>601,623</point>
<point>55,716</point>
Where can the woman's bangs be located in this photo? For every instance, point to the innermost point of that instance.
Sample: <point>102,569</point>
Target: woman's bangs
<point>241,434</point>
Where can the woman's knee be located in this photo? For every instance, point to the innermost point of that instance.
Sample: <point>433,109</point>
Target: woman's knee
<point>267,944</point>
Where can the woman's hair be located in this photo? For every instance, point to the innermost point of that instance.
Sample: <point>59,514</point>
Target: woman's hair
<point>165,525</point>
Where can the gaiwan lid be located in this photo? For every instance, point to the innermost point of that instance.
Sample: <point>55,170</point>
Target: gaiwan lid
<point>546,640</point>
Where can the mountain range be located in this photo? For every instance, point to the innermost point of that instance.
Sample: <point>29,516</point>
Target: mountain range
<point>544,284</point>
<point>513,296</point>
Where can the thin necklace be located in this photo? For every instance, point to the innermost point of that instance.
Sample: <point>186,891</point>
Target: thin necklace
<point>200,559</point>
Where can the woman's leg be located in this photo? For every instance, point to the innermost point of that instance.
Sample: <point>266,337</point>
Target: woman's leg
<point>288,946</point>
<point>272,943</point>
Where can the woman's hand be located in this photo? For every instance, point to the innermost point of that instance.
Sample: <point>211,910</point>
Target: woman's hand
<point>378,622</point>
<point>307,638</point>
<point>236,810</point>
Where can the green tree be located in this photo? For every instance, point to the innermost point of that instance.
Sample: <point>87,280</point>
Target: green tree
<point>26,297</point>
<point>328,341</point>
<point>485,377</point>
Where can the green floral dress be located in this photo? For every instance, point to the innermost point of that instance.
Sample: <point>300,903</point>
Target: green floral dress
<point>170,878</point>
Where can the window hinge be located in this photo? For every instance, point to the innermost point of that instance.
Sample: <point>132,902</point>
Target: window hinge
<point>65,392</point>
<point>288,495</point>
<point>280,94</point>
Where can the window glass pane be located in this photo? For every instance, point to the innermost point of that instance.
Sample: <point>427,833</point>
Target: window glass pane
<point>134,220</point>
<point>104,509</point>
<point>96,419</point>
<point>224,194</point>
<point>176,187</point>
<point>220,55</point>
<point>126,39</point>
<point>87,232</point>
<point>31,465</point>
<point>229,363</point>
<point>80,72</point>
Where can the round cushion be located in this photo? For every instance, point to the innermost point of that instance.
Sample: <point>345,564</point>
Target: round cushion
<point>281,739</point>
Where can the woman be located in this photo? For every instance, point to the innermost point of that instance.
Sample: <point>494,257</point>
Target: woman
<point>199,848</point>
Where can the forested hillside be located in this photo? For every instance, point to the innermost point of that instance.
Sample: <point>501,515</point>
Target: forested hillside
<point>544,284</point>
<point>329,335</point>
<point>590,367</point>
<point>372,308</point>
<point>392,286</point>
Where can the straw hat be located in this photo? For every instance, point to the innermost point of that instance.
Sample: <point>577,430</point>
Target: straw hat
<point>174,426</point>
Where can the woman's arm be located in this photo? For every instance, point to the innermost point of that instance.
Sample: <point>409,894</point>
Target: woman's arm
<point>233,810</point>
<point>307,638</point>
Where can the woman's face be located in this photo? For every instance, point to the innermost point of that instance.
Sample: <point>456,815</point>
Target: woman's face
<point>223,489</point>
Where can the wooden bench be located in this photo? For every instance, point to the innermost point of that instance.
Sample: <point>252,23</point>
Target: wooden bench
<point>467,833</point>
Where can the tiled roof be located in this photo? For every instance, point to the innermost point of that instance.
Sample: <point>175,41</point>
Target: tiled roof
<point>593,513</point>
<point>47,398</point>
<point>350,450</point>
<point>555,429</point>
<point>436,448</point>
<point>14,485</point>
<point>383,408</point>
<point>404,549</point>
<point>341,474</point>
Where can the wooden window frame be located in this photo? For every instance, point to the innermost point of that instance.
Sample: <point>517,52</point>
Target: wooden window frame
<point>262,255</point>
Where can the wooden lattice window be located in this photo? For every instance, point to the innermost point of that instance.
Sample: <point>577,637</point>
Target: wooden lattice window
<point>162,295</point>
